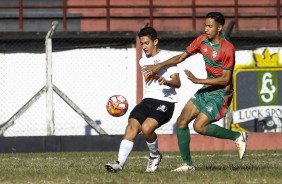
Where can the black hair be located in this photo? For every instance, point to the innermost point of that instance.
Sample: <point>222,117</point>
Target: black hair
<point>217,16</point>
<point>148,31</point>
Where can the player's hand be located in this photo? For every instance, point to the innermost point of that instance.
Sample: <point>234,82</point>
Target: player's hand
<point>162,81</point>
<point>150,77</point>
<point>150,69</point>
<point>190,76</point>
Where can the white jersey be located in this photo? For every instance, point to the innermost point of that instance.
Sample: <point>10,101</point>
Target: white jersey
<point>153,89</point>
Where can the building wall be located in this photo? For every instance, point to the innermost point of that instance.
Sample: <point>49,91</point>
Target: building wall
<point>128,15</point>
<point>176,15</point>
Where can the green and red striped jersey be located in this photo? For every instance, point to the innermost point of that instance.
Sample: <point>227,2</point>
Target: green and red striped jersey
<point>217,57</point>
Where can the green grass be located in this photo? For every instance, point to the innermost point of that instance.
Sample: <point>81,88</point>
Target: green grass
<point>211,167</point>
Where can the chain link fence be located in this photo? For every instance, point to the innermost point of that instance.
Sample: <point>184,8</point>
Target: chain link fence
<point>88,69</point>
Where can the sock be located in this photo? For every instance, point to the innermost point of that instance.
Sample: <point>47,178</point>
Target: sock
<point>153,148</point>
<point>220,132</point>
<point>183,138</point>
<point>124,150</point>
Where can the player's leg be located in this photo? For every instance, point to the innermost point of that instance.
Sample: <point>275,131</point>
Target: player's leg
<point>148,130</point>
<point>136,118</point>
<point>213,111</point>
<point>160,113</point>
<point>203,126</point>
<point>188,113</point>
<point>132,130</point>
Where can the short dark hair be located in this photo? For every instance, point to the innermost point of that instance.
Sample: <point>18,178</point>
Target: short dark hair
<point>217,16</point>
<point>148,31</point>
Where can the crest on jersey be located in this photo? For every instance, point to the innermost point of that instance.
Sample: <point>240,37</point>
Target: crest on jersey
<point>209,108</point>
<point>214,54</point>
<point>156,61</point>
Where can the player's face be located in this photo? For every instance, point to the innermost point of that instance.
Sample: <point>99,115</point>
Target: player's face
<point>149,46</point>
<point>212,29</point>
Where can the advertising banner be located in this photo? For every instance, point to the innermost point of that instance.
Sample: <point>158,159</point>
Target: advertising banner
<point>257,94</point>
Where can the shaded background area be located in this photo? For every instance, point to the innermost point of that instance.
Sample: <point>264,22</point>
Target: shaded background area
<point>175,41</point>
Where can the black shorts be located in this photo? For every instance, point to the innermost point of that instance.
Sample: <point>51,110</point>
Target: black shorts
<point>159,110</point>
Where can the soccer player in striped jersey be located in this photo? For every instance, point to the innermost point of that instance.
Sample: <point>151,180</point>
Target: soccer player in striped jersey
<point>211,102</point>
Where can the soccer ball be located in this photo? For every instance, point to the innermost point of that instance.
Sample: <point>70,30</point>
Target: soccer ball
<point>117,105</point>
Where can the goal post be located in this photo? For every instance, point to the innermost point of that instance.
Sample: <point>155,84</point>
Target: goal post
<point>49,83</point>
<point>50,87</point>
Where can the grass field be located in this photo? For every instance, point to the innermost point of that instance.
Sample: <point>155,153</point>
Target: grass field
<point>211,167</point>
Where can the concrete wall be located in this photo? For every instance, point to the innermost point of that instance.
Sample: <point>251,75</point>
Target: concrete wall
<point>256,141</point>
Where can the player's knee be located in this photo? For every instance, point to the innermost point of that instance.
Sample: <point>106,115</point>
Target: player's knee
<point>199,128</point>
<point>131,132</point>
<point>147,130</point>
<point>181,123</point>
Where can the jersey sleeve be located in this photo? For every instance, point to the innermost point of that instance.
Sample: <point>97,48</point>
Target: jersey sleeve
<point>228,59</point>
<point>194,47</point>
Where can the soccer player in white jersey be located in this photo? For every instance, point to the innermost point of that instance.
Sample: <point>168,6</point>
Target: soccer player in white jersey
<point>156,107</point>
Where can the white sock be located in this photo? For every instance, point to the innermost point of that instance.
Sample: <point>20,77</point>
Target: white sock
<point>124,150</point>
<point>153,148</point>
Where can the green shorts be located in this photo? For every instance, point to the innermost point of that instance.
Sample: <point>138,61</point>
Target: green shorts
<point>213,103</point>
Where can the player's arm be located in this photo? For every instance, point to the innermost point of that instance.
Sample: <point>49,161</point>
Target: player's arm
<point>174,60</point>
<point>223,80</point>
<point>174,82</point>
<point>149,69</point>
<point>191,49</point>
